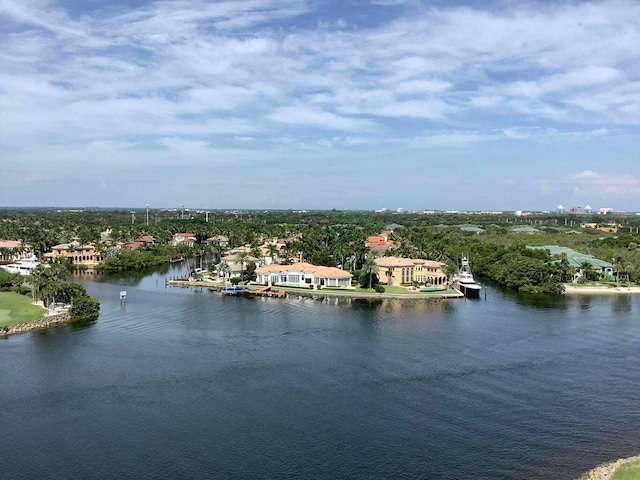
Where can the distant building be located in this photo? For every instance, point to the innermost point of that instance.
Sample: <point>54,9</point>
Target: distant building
<point>560,209</point>
<point>605,210</point>
<point>525,229</point>
<point>588,210</point>
<point>188,239</point>
<point>13,250</point>
<point>400,210</point>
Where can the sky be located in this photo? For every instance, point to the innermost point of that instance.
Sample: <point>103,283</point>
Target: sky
<point>320,104</point>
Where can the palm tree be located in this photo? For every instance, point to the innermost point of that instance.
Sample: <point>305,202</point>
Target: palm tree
<point>273,250</point>
<point>370,267</point>
<point>223,268</point>
<point>241,258</point>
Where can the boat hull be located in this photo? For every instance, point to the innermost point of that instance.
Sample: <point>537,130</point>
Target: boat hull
<point>470,290</point>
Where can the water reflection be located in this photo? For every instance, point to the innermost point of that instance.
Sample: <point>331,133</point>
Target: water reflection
<point>621,303</point>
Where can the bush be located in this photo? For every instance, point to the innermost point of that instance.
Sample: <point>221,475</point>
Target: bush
<point>235,280</point>
<point>378,288</point>
<point>84,308</point>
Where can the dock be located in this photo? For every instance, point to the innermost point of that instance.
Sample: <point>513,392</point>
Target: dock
<point>267,292</point>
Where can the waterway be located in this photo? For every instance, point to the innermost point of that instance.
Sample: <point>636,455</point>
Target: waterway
<point>184,383</point>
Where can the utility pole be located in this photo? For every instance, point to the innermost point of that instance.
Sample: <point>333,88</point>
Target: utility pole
<point>147,214</point>
<point>133,217</point>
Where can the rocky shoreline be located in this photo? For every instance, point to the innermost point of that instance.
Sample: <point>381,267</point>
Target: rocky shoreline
<point>606,471</point>
<point>45,322</point>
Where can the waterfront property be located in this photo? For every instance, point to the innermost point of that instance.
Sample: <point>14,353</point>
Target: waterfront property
<point>303,275</point>
<point>398,271</point>
<point>580,260</point>
<point>75,253</point>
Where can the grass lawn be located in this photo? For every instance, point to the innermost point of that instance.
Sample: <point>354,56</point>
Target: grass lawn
<point>628,471</point>
<point>395,290</point>
<point>16,309</point>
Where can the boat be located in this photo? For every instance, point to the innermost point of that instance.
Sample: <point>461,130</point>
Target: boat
<point>465,282</point>
<point>24,267</point>
<point>235,290</point>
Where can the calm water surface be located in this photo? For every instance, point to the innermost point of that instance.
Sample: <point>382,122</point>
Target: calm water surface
<point>183,383</point>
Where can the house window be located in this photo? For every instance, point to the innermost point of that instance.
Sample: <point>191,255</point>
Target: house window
<point>294,278</point>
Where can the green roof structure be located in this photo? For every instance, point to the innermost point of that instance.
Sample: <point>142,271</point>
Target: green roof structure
<point>576,259</point>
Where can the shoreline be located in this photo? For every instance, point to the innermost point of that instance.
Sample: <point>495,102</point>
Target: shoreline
<point>42,323</point>
<point>599,289</point>
<point>606,470</point>
<point>323,292</point>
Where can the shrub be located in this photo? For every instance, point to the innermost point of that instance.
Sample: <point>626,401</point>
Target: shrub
<point>84,308</point>
<point>235,280</point>
<point>378,288</point>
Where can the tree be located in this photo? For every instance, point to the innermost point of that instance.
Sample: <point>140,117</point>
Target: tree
<point>241,258</point>
<point>371,268</point>
<point>84,308</point>
<point>223,268</point>
<point>272,250</point>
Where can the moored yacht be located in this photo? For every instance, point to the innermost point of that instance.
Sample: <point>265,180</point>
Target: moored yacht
<point>465,281</point>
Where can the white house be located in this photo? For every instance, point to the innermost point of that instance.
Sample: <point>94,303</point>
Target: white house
<point>303,275</point>
<point>188,239</point>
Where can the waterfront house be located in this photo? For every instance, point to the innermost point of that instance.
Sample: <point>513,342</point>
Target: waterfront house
<point>236,267</point>
<point>303,275</point>
<point>399,270</point>
<point>579,260</point>
<point>75,253</point>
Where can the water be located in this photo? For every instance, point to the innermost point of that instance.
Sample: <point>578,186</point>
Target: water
<point>183,383</point>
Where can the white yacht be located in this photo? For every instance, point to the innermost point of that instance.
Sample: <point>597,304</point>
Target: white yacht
<point>465,281</point>
<point>23,267</point>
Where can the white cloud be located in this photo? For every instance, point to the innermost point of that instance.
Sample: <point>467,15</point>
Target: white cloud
<point>214,74</point>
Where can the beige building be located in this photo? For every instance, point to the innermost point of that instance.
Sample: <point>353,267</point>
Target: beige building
<point>398,271</point>
<point>13,250</point>
<point>75,253</point>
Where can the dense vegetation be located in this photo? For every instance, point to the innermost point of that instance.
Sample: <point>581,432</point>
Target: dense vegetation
<point>337,238</point>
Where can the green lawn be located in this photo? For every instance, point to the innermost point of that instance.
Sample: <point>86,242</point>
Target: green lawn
<point>628,471</point>
<point>395,290</point>
<point>16,309</point>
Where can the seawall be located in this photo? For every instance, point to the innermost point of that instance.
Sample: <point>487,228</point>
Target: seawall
<point>45,322</point>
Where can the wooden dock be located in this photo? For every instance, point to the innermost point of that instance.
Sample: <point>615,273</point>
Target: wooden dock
<point>267,292</point>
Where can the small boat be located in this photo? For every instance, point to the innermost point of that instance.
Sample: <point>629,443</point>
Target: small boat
<point>465,281</point>
<point>235,290</point>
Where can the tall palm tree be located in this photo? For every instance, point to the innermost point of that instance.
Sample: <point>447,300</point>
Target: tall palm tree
<point>370,267</point>
<point>241,258</point>
<point>273,250</point>
<point>223,268</point>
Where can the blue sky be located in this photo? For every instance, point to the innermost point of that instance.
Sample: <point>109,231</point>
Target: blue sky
<point>320,104</point>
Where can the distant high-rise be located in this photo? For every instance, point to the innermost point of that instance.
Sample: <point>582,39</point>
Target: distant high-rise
<point>588,210</point>
<point>560,209</point>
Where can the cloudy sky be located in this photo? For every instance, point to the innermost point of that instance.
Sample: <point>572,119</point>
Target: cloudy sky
<point>348,104</point>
